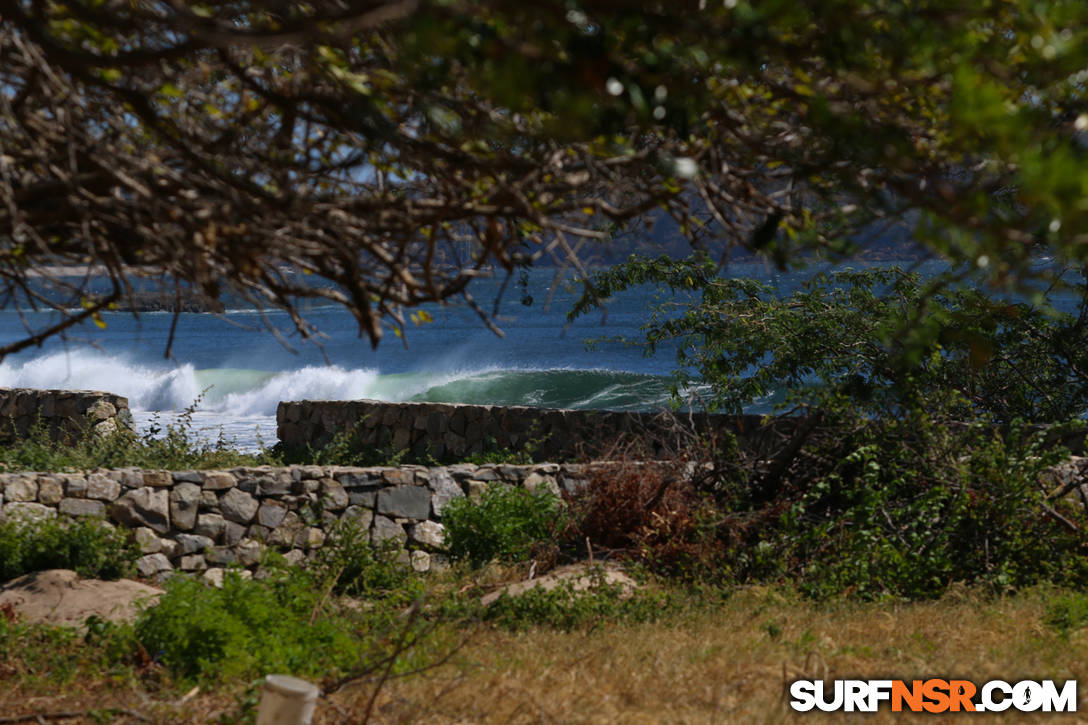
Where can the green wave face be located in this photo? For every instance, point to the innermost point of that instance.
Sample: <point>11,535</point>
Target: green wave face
<point>221,382</point>
<point>585,389</point>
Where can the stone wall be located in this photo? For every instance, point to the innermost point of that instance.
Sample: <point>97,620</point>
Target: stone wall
<point>201,521</point>
<point>64,413</point>
<point>447,432</point>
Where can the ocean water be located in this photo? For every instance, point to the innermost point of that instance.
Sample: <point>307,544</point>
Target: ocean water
<point>235,372</point>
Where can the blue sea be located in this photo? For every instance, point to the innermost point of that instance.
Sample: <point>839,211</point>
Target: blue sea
<point>236,372</point>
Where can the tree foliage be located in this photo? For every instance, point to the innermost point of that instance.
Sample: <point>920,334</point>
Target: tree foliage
<point>883,339</point>
<point>379,155</point>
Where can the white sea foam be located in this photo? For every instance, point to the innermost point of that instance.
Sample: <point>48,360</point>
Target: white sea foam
<point>242,403</point>
<point>163,388</point>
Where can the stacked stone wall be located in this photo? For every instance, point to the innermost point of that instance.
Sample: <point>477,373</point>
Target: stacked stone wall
<point>202,521</point>
<point>448,432</point>
<point>63,414</point>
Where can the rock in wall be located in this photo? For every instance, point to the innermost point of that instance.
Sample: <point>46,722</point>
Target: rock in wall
<point>449,432</point>
<point>64,414</point>
<point>196,521</point>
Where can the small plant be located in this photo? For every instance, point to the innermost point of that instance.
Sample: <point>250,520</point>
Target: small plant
<point>173,446</point>
<point>92,548</point>
<point>565,608</point>
<point>349,564</point>
<point>1068,612</point>
<point>504,524</point>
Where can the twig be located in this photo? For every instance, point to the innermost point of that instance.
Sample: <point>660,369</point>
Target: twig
<point>43,716</point>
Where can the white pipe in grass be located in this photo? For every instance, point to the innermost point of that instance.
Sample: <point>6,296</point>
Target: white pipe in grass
<point>286,700</point>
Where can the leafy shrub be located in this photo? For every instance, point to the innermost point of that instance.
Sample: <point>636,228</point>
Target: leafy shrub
<point>353,566</point>
<point>883,337</point>
<point>246,628</point>
<point>868,508</point>
<point>1068,612</point>
<point>504,524</point>
<point>90,547</point>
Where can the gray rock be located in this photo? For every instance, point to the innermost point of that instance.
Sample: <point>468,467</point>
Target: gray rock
<point>233,533</point>
<point>209,502</point>
<point>284,534</point>
<point>363,498</point>
<point>310,537</point>
<point>187,477</point>
<point>26,512</point>
<point>444,489</point>
<point>221,555</point>
<point>274,485</point>
<point>102,488</point>
<point>249,552</point>
<point>486,473</point>
<point>75,486</point>
<point>359,480</point>
<point>294,557</point>
<point>210,525</point>
<point>153,564</point>
<point>429,534</point>
<point>218,481</point>
<point>214,577</point>
<point>82,507</point>
<point>193,543</point>
<point>143,507</point>
<point>50,490</point>
<point>421,561</point>
<point>475,488</point>
<point>398,476</point>
<point>271,514</point>
<point>130,478</point>
<point>258,532</point>
<point>148,541</point>
<point>408,502</point>
<point>313,472</point>
<point>193,562</point>
<point>158,479</point>
<point>385,529</point>
<point>358,516</point>
<point>536,481</point>
<point>20,488</point>
<point>170,548</point>
<point>333,495</point>
<point>305,487</point>
<point>238,506</point>
<point>184,504</point>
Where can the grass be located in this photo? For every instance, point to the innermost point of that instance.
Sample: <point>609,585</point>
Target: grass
<point>728,664</point>
<point>724,662</point>
<point>696,643</point>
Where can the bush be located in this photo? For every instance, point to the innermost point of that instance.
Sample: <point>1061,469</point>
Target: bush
<point>564,608</point>
<point>354,567</point>
<point>504,524</point>
<point>90,547</point>
<point>1068,612</point>
<point>245,628</point>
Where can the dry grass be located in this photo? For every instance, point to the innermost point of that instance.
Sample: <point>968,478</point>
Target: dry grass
<point>730,666</point>
<point>726,665</point>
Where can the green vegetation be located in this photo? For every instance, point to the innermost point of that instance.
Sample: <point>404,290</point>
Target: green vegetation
<point>504,524</point>
<point>454,137</point>
<point>885,339</point>
<point>171,446</point>
<point>92,548</point>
